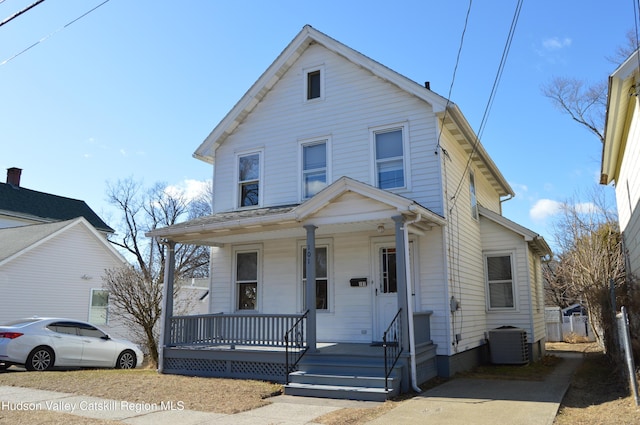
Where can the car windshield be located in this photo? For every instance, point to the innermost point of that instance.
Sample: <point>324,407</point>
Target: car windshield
<point>21,322</point>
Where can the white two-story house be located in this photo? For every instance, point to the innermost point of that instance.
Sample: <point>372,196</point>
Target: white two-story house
<point>357,218</point>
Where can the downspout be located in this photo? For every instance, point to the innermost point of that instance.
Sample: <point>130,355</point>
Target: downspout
<point>407,270</point>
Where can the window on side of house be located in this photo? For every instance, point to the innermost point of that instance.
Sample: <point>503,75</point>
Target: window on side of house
<point>313,83</point>
<point>472,195</point>
<point>249,180</point>
<point>389,158</point>
<point>314,167</point>
<point>99,307</point>
<point>322,277</point>
<point>246,276</point>
<point>500,284</point>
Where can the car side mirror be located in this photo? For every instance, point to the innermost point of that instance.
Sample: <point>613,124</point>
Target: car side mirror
<point>105,337</point>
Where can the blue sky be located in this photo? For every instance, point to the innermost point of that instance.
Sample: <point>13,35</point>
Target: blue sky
<point>134,87</point>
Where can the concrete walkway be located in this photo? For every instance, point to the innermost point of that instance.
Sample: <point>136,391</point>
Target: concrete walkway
<point>489,401</point>
<point>459,401</point>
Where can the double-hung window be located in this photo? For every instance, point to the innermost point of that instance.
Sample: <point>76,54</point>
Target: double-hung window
<point>500,284</point>
<point>99,308</point>
<point>389,158</point>
<point>314,167</point>
<point>249,179</point>
<point>322,277</point>
<point>246,274</point>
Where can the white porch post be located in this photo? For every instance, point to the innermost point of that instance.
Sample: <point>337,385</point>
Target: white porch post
<point>401,278</point>
<point>310,298</point>
<point>167,295</point>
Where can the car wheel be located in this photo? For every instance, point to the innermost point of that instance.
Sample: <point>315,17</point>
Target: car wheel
<point>126,360</point>
<point>40,359</point>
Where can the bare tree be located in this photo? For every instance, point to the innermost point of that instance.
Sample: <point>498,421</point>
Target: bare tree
<point>591,258</point>
<point>135,293</point>
<point>586,103</point>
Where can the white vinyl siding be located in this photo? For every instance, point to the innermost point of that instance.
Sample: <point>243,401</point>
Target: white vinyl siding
<point>56,277</point>
<point>354,102</point>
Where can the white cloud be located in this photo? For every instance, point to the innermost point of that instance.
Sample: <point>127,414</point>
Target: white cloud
<point>555,43</point>
<point>586,208</point>
<point>545,208</point>
<point>189,188</point>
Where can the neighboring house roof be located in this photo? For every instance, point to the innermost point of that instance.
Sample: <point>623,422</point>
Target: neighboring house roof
<point>454,121</point>
<point>19,240</point>
<point>25,203</point>
<point>536,242</point>
<point>206,229</point>
<point>620,105</point>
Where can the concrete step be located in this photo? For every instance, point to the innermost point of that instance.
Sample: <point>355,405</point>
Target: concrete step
<point>339,391</point>
<point>305,377</point>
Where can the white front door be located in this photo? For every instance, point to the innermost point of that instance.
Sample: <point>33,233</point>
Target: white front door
<point>385,287</point>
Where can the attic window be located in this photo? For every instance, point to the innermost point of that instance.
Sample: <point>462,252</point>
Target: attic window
<point>314,85</point>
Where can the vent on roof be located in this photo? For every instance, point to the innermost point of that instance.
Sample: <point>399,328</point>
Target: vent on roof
<point>508,345</point>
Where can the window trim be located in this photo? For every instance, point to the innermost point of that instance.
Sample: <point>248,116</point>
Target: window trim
<point>514,292</point>
<point>240,249</point>
<point>301,171</point>
<point>106,311</point>
<point>237,191</point>
<point>305,93</point>
<point>320,243</point>
<point>373,131</point>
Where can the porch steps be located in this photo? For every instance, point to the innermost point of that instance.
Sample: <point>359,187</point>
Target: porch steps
<point>343,376</point>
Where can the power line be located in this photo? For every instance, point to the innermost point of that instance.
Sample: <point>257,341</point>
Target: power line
<point>15,15</point>
<point>496,81</point>
<point>53,33</point>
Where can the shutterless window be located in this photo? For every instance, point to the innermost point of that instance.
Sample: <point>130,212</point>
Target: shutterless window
<point>247,280</point>
<point>389,159</point>
<point>314,168</point>
<point>500,281</point>
<point>322,278</point>
<point>249,180</point>
<point>472,194</point>
<point>99,308</point>
<point>313,85</point>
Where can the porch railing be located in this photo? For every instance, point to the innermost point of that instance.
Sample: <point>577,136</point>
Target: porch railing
<point>392,343</point>
<point>295,345</point>
<point>264,330</point>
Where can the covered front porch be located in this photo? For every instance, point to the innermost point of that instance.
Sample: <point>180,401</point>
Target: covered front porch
<point>275,348</point>
<point>288,330</point>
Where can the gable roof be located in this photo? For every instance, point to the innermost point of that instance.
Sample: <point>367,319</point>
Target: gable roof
<point>25,203</point>
<point>454,120</point>
<point>535,241</point>
<point>620,105</point>
<point>19,240</point>
<point>210,229</point>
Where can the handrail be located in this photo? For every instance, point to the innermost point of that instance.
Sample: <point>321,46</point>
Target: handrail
<point>393,347</point>
<point>295,338</point>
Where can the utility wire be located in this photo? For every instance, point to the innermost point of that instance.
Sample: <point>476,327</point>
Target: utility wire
<point>496,82</point>
<point>15,15</point>
<point>455,69</point>
<point>53,33</point>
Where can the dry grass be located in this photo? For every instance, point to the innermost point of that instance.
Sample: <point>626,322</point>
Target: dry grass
<point>148,386</point>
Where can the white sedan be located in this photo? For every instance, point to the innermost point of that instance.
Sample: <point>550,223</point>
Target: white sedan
<point>42,343</point>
